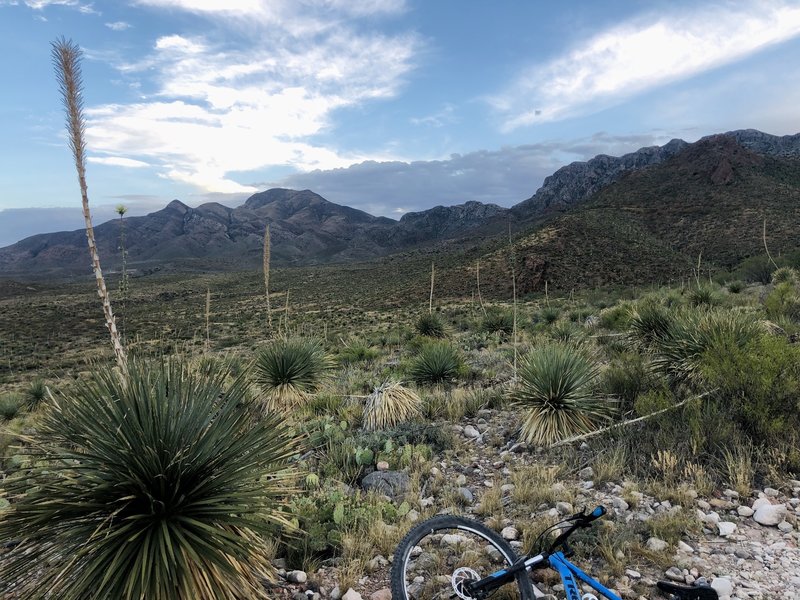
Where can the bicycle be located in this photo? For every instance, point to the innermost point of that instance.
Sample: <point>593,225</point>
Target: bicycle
<point>457,557</point>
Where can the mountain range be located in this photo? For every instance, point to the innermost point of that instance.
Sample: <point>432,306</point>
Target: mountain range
<point>657,207</point>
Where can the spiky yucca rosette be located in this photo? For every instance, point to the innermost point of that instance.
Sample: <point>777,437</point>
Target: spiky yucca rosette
<point>156,485</point>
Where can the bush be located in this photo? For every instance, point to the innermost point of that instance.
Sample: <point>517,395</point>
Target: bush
<point>735,286</point>
<point>431,325</point>
<point>9,407</point>
<point>156,485</point>
<point>702,296</point>
<point>783,301</point>
<point>756,269</point>
<point>390,404</point>
<point>35,393</point>
<point>496,320</point>
<point>679,354</point>
<point>625,379</point>
<point>289,369</point>
<point>549,314</point>
<point>784,275</point>
<point>648,323</point>
<point>437,363</point>
<point>554,386</point>
<point>356,351</point>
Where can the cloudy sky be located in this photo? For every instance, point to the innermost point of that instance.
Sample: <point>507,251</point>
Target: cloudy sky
<point>389,106</point>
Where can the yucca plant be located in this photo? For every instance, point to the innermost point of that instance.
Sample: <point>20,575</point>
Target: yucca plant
<point>390,404</point>
<point>498,321</point>
<point>679,354</point>
<point>648,323</point>
<point>431,325</point>
<point>289,369</point>
<point>437,362</point>
<point>9,407</point>
<point>35,393</point>
<point>554,386</point>
<point>785,275</point>
<point>156,485</point>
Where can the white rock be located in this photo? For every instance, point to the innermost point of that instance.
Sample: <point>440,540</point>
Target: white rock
<point>722,585</point>
<point>785,527</point>
<point>351,594</point>
<point>711,519</point>
<point>745,511</point>
<point>726,528</point>
<point>770,514</point>
<point>656,545</point>
<point>771,492</point>
<point>761,502</point>
<point>471,432</point>
<point>684,547</point>
<point>509,533</point>
<point>297,576</point>
<point>382,465</point>
<point>452,539</point>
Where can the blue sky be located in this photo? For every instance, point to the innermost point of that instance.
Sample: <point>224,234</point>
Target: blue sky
<point>389,106</point>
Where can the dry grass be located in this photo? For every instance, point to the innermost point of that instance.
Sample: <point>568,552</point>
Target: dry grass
<point>390,404</point>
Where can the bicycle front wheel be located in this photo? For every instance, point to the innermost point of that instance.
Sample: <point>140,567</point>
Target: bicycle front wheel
<point>440,555</point>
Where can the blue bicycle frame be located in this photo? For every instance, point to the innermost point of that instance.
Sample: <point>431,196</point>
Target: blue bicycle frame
<point>570,572</point>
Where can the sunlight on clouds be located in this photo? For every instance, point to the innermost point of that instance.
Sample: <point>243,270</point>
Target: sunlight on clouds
<point>638,56</point>
<point>218,110</point>
<point>118,161</point>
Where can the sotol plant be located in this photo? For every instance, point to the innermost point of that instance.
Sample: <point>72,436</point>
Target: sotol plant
<point>437,362</point>
<point>554,387</point>
<point>431,325</point>
<point>156,485</point>
<point>390,404</point>
<point>289,369</point>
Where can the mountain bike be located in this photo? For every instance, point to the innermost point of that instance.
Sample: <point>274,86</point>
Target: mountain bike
<point>456,557</point>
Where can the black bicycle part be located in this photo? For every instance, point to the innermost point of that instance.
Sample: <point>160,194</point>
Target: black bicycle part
<point>429,566</point>
<point>688,592</point>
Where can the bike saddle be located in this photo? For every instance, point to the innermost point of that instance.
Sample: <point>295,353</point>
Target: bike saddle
<point>688,592</point>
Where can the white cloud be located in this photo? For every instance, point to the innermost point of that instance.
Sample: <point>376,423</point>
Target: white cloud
<point>218,109</point>
<point>637,56</point>
<point>118,25</point>
<point>118,161</point>
<point>83,7</point>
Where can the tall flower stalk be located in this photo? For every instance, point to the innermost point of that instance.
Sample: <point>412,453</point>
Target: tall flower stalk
<point>121,209</point>
<point>66,60</point>
<point>267,249</point>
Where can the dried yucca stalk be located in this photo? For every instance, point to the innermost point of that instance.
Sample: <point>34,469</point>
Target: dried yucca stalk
<point>390,404</point>
<point>267,249</point>
<point>66,60</point>
<point>430,302</point>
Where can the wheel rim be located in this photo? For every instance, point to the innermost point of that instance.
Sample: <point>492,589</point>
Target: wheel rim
<point>441,558</point>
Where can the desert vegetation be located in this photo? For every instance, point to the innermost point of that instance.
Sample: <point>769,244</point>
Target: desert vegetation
<point>694,397</point>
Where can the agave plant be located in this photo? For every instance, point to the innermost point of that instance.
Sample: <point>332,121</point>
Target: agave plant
<point>679,354</point>
<point>431,325</point>
<point>649,323</point>
<point>437,362</point>
<point>554,386</point>
<point>390,404</point>
<point>156,485</point>
<point>288,370</point>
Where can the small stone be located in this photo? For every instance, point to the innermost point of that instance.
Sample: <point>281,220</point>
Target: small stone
<point>299,596</point>
<point>785,527</point>
<point>509,533</point>
<point>382,465</point>
<point>382,594</point>
<point>656,545</point>
<point>703,505</point>
<point>461,480</point>
<point>336,593</point>
<point>732,494</point>
<point>351,594</point>
<point>726,528</point>
<point>564,508</point>
<point>745,511</point>
<point>759,502</point>
<point>743,553</point>
<point>586,474</point>
<point>412,516</point>
<point>675,574</point>
<point>452,539</point>
<point>620,504</point>
<point>770,514</point>
<point>633,574</point>
<point>507,487</point>
<point>471,432</point>
<point>722,585</point>
<point>711,519</point>
<point>297,576</point>
<point>466,494</point>
<point>771,492</point>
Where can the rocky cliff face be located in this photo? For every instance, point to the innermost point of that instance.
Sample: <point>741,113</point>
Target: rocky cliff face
<point>578,181</point>
<point>768,145</point>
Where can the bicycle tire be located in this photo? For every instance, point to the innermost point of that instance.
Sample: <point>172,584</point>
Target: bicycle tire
<point>404,565</point>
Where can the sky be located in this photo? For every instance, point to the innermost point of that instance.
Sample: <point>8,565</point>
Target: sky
<point>388,106</point>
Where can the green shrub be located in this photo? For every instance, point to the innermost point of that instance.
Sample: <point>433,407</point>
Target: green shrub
<point>756,269</point>
<point>735,286</point>
<point>35,393</point>
<point>555,387</point>
<point>679,355</point>
<point>436,363</point>
<point>153,486</point>
<point>702,296</point>
<point>288,370</point>
<point>626,378</point>
<point>758,383</point>
<point>616,318</point>
<point>785,275</point>
<point>783,301</point>
<point>497,320</point>
<point>356,351</point>
<point>431,325</point>
<point>549,315</point>
<point>9,406</point>
<point>648,323</point>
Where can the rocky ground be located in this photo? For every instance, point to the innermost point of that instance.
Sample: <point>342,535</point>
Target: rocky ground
<point>745,547</point>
